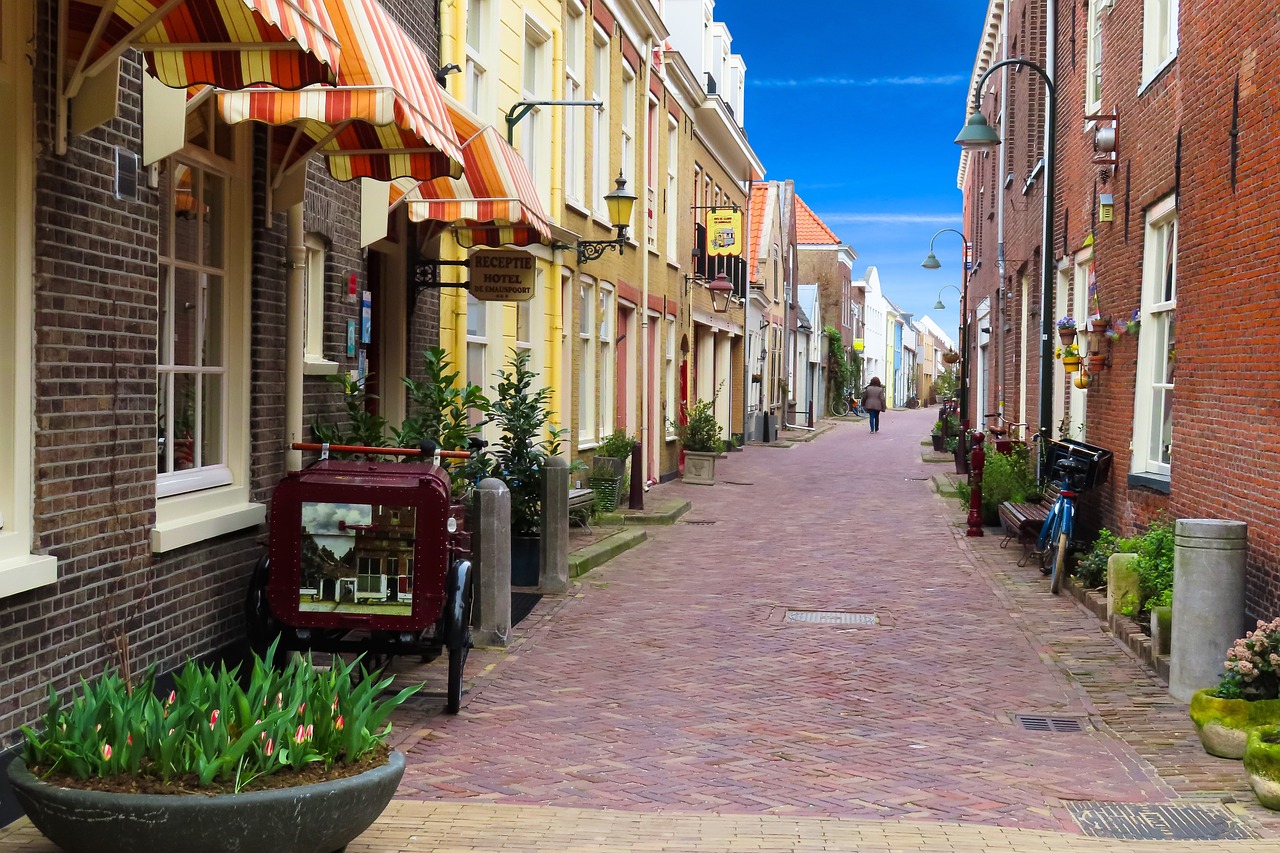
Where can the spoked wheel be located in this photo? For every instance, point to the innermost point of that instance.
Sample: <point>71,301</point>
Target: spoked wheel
<point>840,406</point>
<point>1057,552</point>
<point>459,636</point>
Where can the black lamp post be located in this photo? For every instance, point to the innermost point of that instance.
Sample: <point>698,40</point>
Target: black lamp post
<point>977,134</point>
<point>932,263</point>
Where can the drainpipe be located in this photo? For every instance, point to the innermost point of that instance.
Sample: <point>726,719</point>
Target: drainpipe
<point>642,350</point>
<point>295,276</point>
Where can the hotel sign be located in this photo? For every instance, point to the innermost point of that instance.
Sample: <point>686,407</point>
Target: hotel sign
<point>503,275</point>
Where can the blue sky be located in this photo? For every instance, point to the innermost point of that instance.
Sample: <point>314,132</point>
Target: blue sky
<point>858,103</point>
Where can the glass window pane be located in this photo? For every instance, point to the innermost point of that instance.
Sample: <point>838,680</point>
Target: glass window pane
<point>165,354</point>
<point>213,326</point>
<point>186,225</point>
<point>186,316</point>
<point>476,320</point>
<point>163,465</point>
<point>211,423</point>
<point>184,421</point>
<point>214,203</point>
<point>524,319</point>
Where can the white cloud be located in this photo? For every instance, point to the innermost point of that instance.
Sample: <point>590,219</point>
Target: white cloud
<point>891,218</point>
<point>859,82</point>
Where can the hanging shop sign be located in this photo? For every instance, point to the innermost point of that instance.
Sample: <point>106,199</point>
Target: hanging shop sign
<point>503,275</point>
<point>724,231</point>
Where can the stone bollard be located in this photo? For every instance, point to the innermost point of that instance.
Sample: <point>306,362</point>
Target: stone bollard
<point>553,562</point>
<point>977,461</point>
<point>1208,600</point>
<point>635,499</point>
<point>491,562</point>
<point>1122,584</point>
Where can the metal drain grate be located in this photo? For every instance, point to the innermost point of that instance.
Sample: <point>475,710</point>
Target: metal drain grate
<point>1170,822</point>
<point>1056,725</point>
<point>697,521</point>
<point>831,617</point>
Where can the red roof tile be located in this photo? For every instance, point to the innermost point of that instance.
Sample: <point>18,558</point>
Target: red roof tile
<point>810,229</point>
<point>756,212</point>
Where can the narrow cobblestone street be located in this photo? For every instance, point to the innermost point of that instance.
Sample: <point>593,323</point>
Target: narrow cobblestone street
<point>668,704</point>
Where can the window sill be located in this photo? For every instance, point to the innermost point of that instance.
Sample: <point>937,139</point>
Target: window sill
<point>26,572</point>
<point>589,444</point>
<point>188,519</point>
<point>577,207</point>
<point>1154,482</point>
<point>320,367</point>
<point>1148,80</point>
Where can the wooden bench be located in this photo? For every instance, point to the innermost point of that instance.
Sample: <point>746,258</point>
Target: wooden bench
<point>581,502</point>
<point>1022,521</point>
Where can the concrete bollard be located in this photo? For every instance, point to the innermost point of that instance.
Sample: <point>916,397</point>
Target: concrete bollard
<point>1208,601</point>
<point>491,562</point>
<point>553,563</point>
<point>1122,584</point>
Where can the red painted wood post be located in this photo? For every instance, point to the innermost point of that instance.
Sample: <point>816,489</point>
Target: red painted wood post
<point>977,461</point>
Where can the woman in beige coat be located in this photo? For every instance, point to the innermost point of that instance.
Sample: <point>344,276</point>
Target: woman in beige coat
<point>873,402</point>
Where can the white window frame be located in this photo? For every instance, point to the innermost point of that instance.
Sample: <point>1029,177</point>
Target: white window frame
<point>601,172</point>
<point>627,137</point>
<point>534,143</point>
<point>479,41</point>
<point>477,323</point>
<point>585,294</point>
<point>651,152</point>
<point>673,189</point>
<point>606,327</point>
<point>1154,382</point>
<point>575,162</point>
<point>1159,38</point>
<point>314,362</point>
<point>669,366</point>
<point>199,505</point>
<point>20,570</point>
<point>1093,59</point>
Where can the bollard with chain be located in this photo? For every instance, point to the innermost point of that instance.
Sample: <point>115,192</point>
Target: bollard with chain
<point>977,460</point>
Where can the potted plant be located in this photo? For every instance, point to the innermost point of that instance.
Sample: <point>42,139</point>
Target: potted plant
<point>609,469</point>
<point>699,436</point>
<point>937,436</point>
<point>951,356</point>
<point>289,760</point>
<point>1262,763</point>
<point>1247,696</point>
<point>1070,355</point>
<point>527,439</point>
<point>1067,329</point>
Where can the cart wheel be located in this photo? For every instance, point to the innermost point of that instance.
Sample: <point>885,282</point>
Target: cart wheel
<point>262,626</point>
<point>1058,560</point>
<point>459,635</point>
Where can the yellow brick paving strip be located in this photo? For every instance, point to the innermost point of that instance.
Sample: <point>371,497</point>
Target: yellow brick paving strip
<point>441,827</point>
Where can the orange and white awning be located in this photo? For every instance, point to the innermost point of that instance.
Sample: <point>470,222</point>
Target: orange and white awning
<point>385,119</point>
<point>224,43</point>
<point>494,203</point>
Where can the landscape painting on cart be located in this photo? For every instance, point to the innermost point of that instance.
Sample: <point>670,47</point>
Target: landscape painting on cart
<point>357,558</point>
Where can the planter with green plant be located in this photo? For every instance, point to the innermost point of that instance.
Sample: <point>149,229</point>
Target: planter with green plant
<point>700,437</point>
<point>1248,696</point>
<point>1262,763</point>
<point>609,474</point>
<point>939,440</point>
<point>289,760</point>
<point>528,438</point>
<point>446,412</point>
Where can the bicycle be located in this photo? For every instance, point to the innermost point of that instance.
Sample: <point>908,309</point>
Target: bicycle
<point>847,403</point>
<point>1075,467</point>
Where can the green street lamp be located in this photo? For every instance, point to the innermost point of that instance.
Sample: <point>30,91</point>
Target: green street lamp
<point>978,135</point>
<point>932,263</point>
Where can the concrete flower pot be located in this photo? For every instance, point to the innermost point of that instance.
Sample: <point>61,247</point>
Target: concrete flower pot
<point>1224,724</point>
<point>699,468</point>
<point>319,818</point>
<point>1262,763</point>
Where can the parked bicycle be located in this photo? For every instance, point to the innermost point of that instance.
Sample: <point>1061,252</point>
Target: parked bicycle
<point>1075,467</point>
<point>1005,429</point>
<point>850,402</point>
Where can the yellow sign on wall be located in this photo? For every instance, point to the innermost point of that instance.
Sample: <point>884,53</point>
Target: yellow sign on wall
<point>724,231</point>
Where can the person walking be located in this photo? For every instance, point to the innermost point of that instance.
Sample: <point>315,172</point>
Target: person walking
<point>873,402</point>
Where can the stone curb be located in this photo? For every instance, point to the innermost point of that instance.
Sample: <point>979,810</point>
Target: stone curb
<point>670,511</point>
<point>598,553</point>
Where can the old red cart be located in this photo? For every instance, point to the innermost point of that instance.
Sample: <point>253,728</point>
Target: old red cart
<point>368,557</point>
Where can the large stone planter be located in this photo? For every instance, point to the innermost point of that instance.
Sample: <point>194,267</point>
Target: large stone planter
<point>320,818</point>
<point>1224,724</point>
<point>1262,762</point>
<point>699,468</point>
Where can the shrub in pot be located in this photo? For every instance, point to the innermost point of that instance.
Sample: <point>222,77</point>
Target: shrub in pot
<point>285,760</point>
<point>610,469</point>
<point>1248,696</point>
<point>699,435</point>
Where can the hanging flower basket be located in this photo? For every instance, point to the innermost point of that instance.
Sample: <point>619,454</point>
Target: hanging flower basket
<point>1071,363</point>
<point>1067,335</point>
<point>951,356</point>
<point>1097,361</point>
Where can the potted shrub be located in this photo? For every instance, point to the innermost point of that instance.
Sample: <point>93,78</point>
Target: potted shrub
<point>528,438</point>
<point>1248,695</point>
<point>1070,355</point>
<point>938,438</point>
<point>699,435</point>
<point>609,469</point>
<point>1262,763</point>
<point>287,760</point>
<point>951,356</point>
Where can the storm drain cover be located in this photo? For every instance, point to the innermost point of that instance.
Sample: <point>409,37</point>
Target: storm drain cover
<point>831,617</point>
<point>697,521</point>
<point>1135,822</point>
<point>1056,725</point>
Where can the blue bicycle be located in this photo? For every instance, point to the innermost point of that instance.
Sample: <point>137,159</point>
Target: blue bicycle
<point>1075,467</point>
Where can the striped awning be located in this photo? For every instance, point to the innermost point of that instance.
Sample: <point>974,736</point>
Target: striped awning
<point>226,43</point>
<point>494,203</point>
<point>385,119</point>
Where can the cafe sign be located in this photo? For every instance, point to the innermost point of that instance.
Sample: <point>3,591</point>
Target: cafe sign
<point>724,231</point>
<point>502,275</point>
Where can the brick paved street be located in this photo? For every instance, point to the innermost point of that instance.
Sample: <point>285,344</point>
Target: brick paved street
<point>666,703</point>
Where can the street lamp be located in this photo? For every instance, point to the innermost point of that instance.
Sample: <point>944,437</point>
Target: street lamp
<point>619,202</point>
<point>932,263</point>
<point>977,134</point>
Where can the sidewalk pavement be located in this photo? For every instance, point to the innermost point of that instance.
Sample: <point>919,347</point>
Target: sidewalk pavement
<point>680,697</point>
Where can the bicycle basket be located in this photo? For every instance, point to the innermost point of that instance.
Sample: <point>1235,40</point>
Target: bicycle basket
<point>1093,463</point>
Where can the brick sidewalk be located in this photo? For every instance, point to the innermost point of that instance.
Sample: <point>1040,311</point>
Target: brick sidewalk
<point>667,704</point>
